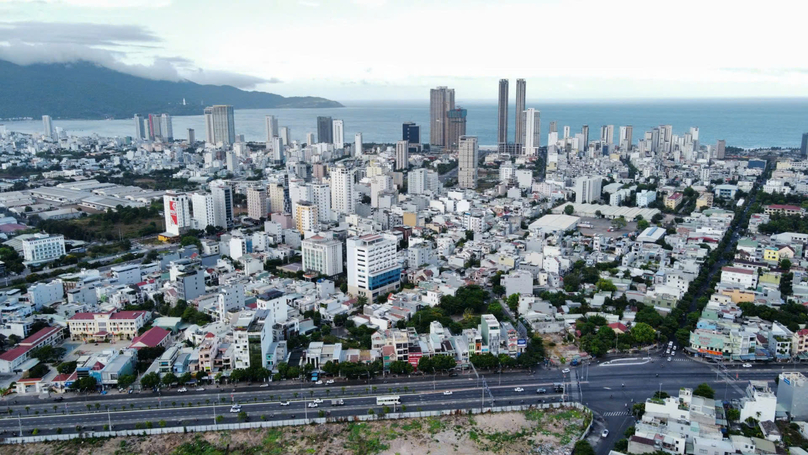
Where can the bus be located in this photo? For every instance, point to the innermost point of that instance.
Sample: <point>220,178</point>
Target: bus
<point>388,400</point>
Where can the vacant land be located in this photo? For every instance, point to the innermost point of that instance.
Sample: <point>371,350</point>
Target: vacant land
<point>552,431</point>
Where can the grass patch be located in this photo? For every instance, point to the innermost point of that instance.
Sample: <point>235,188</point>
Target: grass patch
<point>364,441</point>
<point>435,425</point>
<point>413,425</point>
<point>534,415</point>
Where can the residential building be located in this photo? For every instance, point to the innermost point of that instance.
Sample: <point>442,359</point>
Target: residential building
<point>325,130</point>
<point>402,155</point>
<point>673,201</point>
<point>792,395</point>
<point>272,128</point>
<point>222,203</point>
<point>645,197</point>
<point>490,331</point>
<point>358,144</point>
<point>43,247</point>
<point>338,133</point>
<point>455,127</point>
<point>520,134</point>
<point>588,189</point>
<point>531,138</point>
<point>306,217</point>
<point>342,192</point>
<point>257,203</point>
<point>502,113</point>
<point>373,269</point>
<point>746,278</point>
<point>204,214</point>
<point>468,157</point>
<point>177,213</point>
<point>441,101</point>
<point>322,255</point>
<point>220,126</point>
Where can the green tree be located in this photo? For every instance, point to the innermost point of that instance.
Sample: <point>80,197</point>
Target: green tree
<point>643,333</point>
<point>704,390</point>
<point>513,302</point>
<point>583,448</point>
<point>605,285</point>
<point>169,378</point>
<point>619,223</point>
<point>150,380</point>
<point>66,367</point>
<point>85,384</point>
<point>643,225</point>
<point>125,380</point>
<point>785,264</point>
<point>569,209</point>
<point>683,337</point>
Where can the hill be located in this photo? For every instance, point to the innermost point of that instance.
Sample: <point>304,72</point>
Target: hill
<point>87,91</point>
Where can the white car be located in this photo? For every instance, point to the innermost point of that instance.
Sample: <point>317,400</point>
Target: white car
<point>318,401</point>
<point>747,365</point>
<point>200,389</point>
<point>330,381</point>
<point>669,359</point>
<point>518,389</point>
<point>319,382</point>
<point>266,384</point>
<point>448,392</point>
<point>284,403</point>
<point>313,405</point>
<point>604,434</point>
<point>182,390</point>
<point>235,408</point>
<point>565,370</point>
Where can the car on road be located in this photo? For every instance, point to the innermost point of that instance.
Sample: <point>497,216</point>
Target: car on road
<point>604,434</point>
<point>313,405</point>
<point>318,401</point>
<point>330,381</point>
<point>448,392</point>
<point>565,370</point>
<point>747,365</point>
<point>319,382</point>
<point>518,389</point>
<point>235,408</point>
<point>669,359</point>
<point>199,389</point>
<point>266,384</point>
<point>182,390</point>
<point>284,403</point>
<point>542,390</point>
<point>58,399</point>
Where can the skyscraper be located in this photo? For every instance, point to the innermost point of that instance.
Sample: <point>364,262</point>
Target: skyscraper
<point>358,144</point>
<point>325,130</point>
<point>166,128</point>
<point>554,127</point>
<point>441,101</point>
<point>321,197</point>
<point>720,149</point>
<point>276,198</point>
<point>411,133</point>
<point>625,136</point>
<point>467,162</point>
<point>519,136</point>
<point>310,139</point>
<point>532,129</point>
<point>585,133</point>
<point>257,203</point>
<point>272,128</point>
<point>286,135</point>
<point>48,125</point>
<point>191,136</point>
<point>140,131</point>
<point>455,127</point>
<point>588,189</point>
<point>220,125</point>
<point>154,127</point>
<point>502,113</point>
<point>804,146</point>
<point>222,203</point>
<point>338,134</point>
<point>607,134</point>
<point>402,155</point>
<point>342,192</point>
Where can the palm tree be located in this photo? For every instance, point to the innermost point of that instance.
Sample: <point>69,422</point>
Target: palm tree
<point>328,391</point>
<point>89,406</point>
<point>28,409</point>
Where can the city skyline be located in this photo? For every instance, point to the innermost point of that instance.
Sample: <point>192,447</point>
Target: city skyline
<point>210,46</point>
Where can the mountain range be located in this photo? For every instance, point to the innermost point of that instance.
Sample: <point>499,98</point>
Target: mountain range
<point>84,90</point>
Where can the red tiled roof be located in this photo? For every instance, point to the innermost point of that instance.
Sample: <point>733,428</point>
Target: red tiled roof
<point>13,354</point>
<point>128,315</point>
<point>151,338</point>
<point>61,377</point>
<point>39,336</point>
<point>784,207</point>
<point>737,270</point>
<point>78,316</point>
<point>31,380</point>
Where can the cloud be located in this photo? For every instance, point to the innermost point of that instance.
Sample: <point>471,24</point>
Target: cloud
<point>308,4</point>
<point>99,3</point>
<point>370,3</point>
<point>216,77</point>
<point>75,33</point>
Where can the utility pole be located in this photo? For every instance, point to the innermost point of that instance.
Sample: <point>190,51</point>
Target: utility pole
<point>19,420</point>
<point>109,417</point>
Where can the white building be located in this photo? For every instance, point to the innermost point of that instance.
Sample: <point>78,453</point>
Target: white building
<point>219,125</point>
<point>358,144</point>
<point>322,255</point>
<point>467,157</point>
<point>321,197</point>
<point>127,274</point>
<point>204,214</point>
<point>373,268</point>
<point>338,134</point>
<point>177,213</point>
<point>42,294</point>
<point>760,403</point>
<point>421,254</point>
<point>532,131</point>
<point>587,189</point>
<point>490,331</point>
<point>402,155</point>
<point>746,278</point>
<point>342,190</point>
<point>257,203</point>
<point>420,181</point>
<point>645,197</point>
<point>222,204</point>
<point>272,128</point>
<point>229,299</point>
<point>518,282</point>
<point>43,247</point>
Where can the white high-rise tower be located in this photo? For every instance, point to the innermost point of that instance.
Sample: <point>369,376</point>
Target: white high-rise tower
<point>532,131</point>
<point>342,200</point>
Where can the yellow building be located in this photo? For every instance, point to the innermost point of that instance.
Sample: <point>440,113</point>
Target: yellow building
<point>672,201</point>
<point>410,219</point>
<point>306,219</point>
<point>739,295</point>
<point>771,254</point>
<point>705,200</point>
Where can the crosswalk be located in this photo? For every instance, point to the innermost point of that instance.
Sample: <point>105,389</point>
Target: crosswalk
<point>616,414</point>
<point>683,359</point>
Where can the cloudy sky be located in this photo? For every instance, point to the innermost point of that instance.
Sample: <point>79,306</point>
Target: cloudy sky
<point>390,49</point>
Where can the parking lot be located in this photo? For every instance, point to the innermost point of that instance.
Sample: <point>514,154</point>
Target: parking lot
<point>602,225</point>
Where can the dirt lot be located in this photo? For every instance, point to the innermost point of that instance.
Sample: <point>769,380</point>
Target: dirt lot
<point>601,226</point>
<point>553,432</point>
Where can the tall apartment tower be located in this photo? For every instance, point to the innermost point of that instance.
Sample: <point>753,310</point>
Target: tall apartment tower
<point>607,134</point>
<point>358,144</point>
<point>257,203</point>
<point>338,133</point>
<point>222,204</point>
<point>220,126</point>
<point>310,139</point>
<point>140,130</point>
<point>720,149</point>
<point>804,146</point>
<point>276,198</point>
<point>191,136</point>
<point>342,191</point>
<point>467,158</point>
<point>402,155</point>
<point>519,136</point>
<point>286,135</point>
<point>272,128</point>
<point>441,101</point>
<point>532,129</point>
<point>585,134</point>
<point>554,127</point>
<point>626,133</point>
<point>204,213</point>
<point>307,217</point>
<point>411,133</point>
<point>325,130</point>
<point>588,189</point>
<point>154,127</point>
<point>373,268</point>
<point>47,123</point>
<point>166,127</point>
<point>178,217</point>
<point>502,113</point>
<point>455,127</point>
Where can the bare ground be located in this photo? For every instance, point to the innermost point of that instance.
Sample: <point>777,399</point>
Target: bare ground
<point>551,432</point>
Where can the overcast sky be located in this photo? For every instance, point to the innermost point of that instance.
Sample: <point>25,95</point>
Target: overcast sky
<point>388,49</point>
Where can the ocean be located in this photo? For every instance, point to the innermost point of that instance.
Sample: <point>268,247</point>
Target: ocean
<point>745,123</point>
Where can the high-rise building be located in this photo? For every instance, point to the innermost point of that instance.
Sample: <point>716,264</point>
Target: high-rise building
<point>358,144</point>
<point>587,189</point>
<point>220,124</point>
<point>204,215</point>
<point>310,139</point>
<point>321,197</point>
<point>177,214</point>
<point>166,128</point>
<point>519,135</point>
<point>804,146</point>
<point>222,203</point>
<point>441,101</point>
<point>338,134</point>
<point>502,113</point>
<point>532,132</point>
<point>342,197</point>
<point>257,203</point>
<point>456,127</point>
<point>585,134</point>
<point>402,155</point>
<point>231,162</point>
<point>286,135</point>
<point>276,198</point>
<point>411,133</point>
<point>154,127</point>
<point>468,151</point>
<point>626,133</point>
<point>720,149</point>
<point>554,127</point>
<point>325,130</point>
<point>566,132</point>
<point>421,180</point>
<point>607,134</point>
<point>307,217</point>
<point>140,131</point>
<point>272,128</point>
<point>373,268</point>
<point>322,255</point>
<point>48,125</point>
<point>191,136</point>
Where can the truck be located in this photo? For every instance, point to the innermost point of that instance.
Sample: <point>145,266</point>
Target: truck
<point>337,403</point>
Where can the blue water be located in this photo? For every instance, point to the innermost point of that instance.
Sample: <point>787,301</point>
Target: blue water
<point>742,123</point>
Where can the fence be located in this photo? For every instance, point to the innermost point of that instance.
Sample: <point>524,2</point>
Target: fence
<point>293,422</point>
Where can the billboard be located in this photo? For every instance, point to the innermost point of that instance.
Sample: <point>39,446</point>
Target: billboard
<point>522,342</point>
<point>172,211</point>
